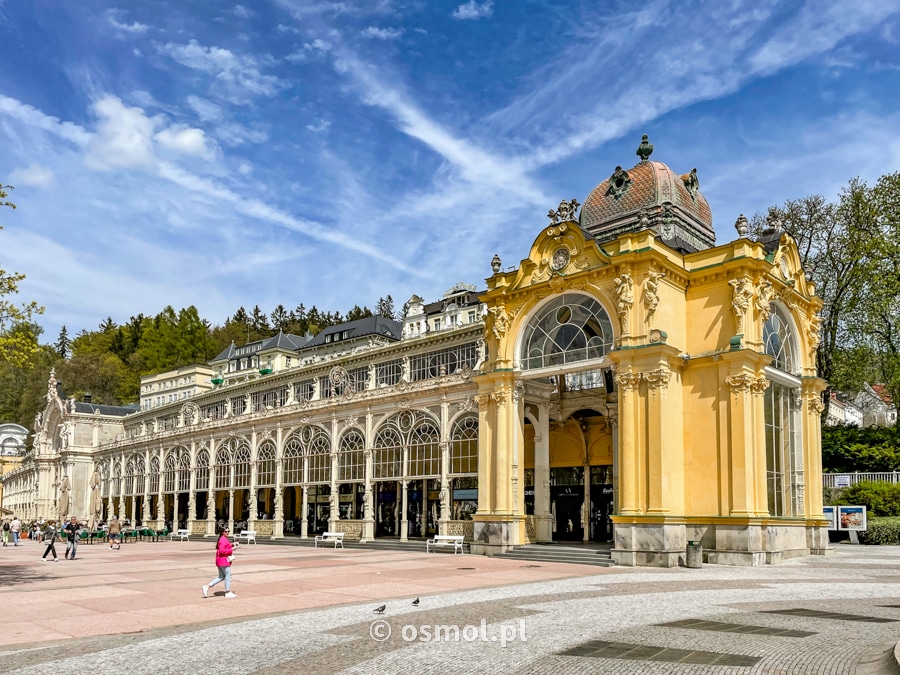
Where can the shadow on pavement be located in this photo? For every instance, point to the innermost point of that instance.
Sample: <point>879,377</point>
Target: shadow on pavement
<point>11,575</point>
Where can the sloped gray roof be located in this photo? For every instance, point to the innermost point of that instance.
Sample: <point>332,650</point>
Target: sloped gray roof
<point>284,341</point>
<point>114,410</point>
<point>227,354</point>
<point>371,325</point>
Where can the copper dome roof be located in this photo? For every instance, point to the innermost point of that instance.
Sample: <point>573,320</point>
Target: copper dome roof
<point>650,196</point>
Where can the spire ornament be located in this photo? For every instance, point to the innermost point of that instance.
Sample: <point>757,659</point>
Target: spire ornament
<point>645,149</point>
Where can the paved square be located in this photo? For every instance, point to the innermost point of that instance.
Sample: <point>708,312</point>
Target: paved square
<point>140,610</point>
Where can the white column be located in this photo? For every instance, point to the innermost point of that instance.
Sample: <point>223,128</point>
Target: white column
<point>542,519</point>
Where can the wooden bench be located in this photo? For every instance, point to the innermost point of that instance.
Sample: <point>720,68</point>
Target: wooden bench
<point>247,536</point>
<point>183,535</point>
<point>456,541</point>
<point>329,537</point>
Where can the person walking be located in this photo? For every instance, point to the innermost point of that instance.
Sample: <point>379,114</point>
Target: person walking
<point>114,529</point>
<point>224,558</point>
<point>70,530</point>
<point>50,538</point>
<point>16,528</point>
<point>5,532</point>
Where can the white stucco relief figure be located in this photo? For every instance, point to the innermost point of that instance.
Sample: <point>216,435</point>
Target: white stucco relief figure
<point>764,295</point>
<point>625,293</point>
<point>62,506</point>
<point>740,301</point>
<point>651,292</point>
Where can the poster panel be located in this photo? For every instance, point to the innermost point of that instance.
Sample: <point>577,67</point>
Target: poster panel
<point>831,515</point>
<point>852,518</point>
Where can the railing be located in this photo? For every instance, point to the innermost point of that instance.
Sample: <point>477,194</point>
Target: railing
<point>830,480</point>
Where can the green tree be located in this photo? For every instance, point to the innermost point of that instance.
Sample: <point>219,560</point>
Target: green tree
<point>63,344</point>
<point>16,346</point>
<point>385,307</point>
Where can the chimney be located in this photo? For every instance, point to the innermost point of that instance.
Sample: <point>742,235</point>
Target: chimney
<point>87,397</point>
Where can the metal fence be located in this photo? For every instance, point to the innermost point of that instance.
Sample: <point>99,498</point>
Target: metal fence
<point>831,480</point>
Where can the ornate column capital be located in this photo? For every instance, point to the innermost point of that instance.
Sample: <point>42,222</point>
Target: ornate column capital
<point>740,384</point>
<point>628,380</point>
<point>657,379</point>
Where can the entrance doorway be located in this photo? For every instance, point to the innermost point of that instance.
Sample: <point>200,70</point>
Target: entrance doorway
<point>566,503</point>
<point>423,507</point>
<point>387,509</point>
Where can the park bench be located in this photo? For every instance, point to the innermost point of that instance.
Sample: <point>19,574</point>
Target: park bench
<point>246,536</point>
<point>329,537</point>
<point>183,535</point>
<point>130,534</point>
<point>456,541</point>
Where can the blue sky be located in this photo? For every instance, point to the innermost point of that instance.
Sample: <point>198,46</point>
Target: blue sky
<point>284,151</point>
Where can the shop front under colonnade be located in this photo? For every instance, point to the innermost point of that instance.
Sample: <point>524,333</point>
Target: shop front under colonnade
<point>628,381</point>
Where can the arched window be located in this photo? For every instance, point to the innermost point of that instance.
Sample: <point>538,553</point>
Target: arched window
<point>293,460</point>
<point>351,462</point>
<point>169,473</point>
<point>129,478</point>
<point>784,457</point>
<point>464,446</point>
<point>318,452</point>
<point>184,471</point>
<point>153,476</point>
<point>240,454</point>
<point>780,342</point>
<point>223,468</point>
<point>387,460</point>
<point>425,450</point>
<point>139,475</point>
<point>265,464</point>
<point>201,479</point>
<point>570,328</point>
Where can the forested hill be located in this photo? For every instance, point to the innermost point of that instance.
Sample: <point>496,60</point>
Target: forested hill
<point>108,362</point>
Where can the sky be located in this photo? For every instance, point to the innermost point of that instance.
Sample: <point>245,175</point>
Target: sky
<point>207,153</point>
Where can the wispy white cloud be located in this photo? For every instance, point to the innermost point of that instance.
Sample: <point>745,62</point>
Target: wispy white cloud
<point>134,27</point>
<point>239,76</point>
<point>34,117</point>
<point>206,110</point>
<point>474,162</point>
<point>242,12</point>
<point>33,175</point>
<point>382,33</point>
<point>185,140</point>
<point>319,127</point>
<point>474,10</point>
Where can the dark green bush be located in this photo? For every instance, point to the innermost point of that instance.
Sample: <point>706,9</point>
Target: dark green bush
<point>880,499</point>
<point>881,531</point>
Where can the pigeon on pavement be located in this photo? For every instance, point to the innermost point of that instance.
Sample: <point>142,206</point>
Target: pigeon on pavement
<point>380,610</point>
<point>416,602</point>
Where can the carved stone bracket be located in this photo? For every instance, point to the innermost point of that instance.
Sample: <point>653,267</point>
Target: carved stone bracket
<point>741,383</point>
<point>759,386</point>
<point>814,403</point>
<point>813,333</point>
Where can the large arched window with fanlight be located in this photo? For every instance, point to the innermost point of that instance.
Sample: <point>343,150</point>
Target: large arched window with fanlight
<point>784,458</point>
<point>570,328</point>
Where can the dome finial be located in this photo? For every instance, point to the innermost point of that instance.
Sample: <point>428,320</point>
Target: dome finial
<point>645,149</point>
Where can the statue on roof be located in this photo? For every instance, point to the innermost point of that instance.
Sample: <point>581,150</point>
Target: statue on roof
<point>51,385</point>
<point>645,149</point>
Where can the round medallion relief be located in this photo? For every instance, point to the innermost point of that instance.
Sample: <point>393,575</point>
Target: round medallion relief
<point>560,259</point>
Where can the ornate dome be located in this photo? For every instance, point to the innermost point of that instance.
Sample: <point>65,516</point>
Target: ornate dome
<point>650,196</point>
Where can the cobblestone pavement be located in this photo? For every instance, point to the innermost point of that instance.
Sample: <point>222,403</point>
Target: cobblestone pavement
<point>300,610</point>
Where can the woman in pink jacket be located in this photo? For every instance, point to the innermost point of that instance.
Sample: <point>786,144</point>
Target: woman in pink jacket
<point>224,558</point>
